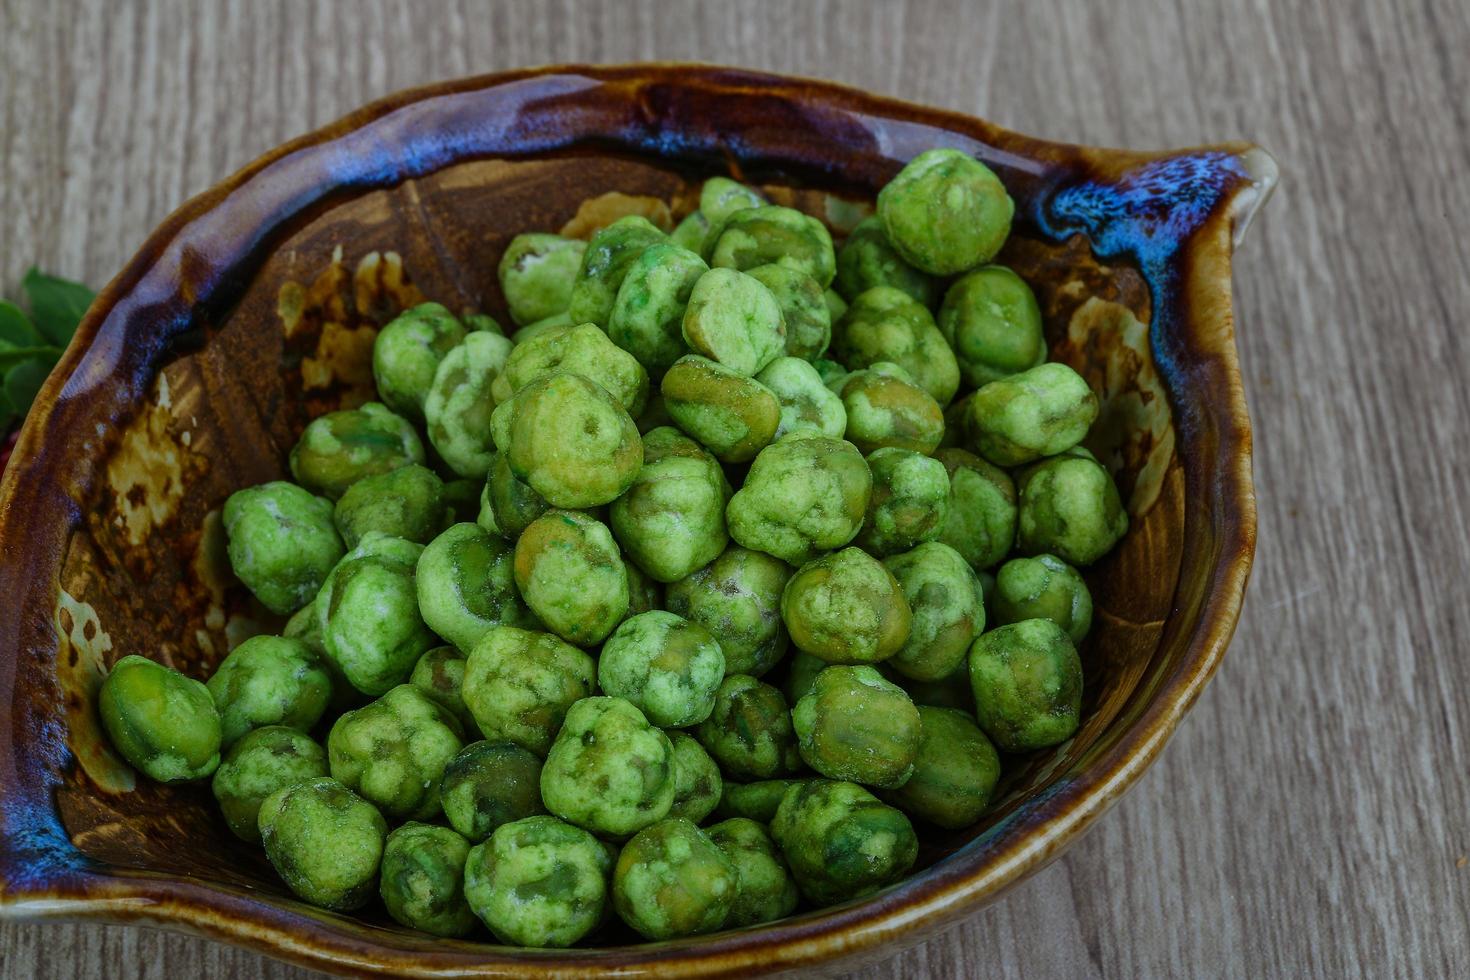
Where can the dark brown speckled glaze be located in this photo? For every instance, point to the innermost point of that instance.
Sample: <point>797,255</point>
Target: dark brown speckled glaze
<point>254,306</point>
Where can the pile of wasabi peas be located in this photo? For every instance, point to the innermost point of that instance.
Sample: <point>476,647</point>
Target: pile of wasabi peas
<point>673,604</point>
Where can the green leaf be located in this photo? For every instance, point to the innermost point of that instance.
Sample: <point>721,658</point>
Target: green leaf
<point>15,327</point>
<point>57,305</point>
<point>23,383</point>
<point>11,356</point>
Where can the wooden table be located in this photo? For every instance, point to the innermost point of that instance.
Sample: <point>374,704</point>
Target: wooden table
<point>1313,814</point>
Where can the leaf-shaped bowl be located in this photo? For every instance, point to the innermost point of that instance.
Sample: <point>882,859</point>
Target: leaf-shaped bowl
<point>254,306</point>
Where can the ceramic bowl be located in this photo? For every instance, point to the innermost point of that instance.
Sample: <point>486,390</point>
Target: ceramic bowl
<point>253,308</point>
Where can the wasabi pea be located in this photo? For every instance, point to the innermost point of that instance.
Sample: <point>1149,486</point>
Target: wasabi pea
<point>885,408</point>
<point>950,691</point>
<point>765,890</point>
<point>731,415</point>
<point>324,841</point>
<point>644,594</point>
<point>801,674</point>
<point>439,674</point>
<point>691,232</point>
<point>409,503</point>
<point>945,212</point>
<point>846,608</point>
<point>407,352</point>
<point>749,732</point>
<point>909,504</point>
<point>671,880</point>
<point>836,306</point>
<point>269,680</point>
<point>376,544</point>
<point>538,882</point>
<point>536,274</point>
<point>840,841</point>
<point>392,752</point>
<point>459,405</point>
<point>1027,680</point>
<point>570,441</point>
<point>570,572</point>
<point>585,351</point>
<point>609,771</point>
<point>737,597</point>
<point>856,726</point>
<point>257,765</point>
<point>804,309</point>
<point>530,332</point>
<point>671,520</point>
<point>519,685</point>
<point>955,771</point>
<point>773,235</point>
<point>466,584</point>
<point>867,259</point>
<point>754,801</point>
<point>803,495</point>
<point>1044,587</point>
<point>368,616</point>
<point>991,320</point>
<point>610,252</point>
<point>697,783</point>
<point>807,405</point>
<point>721,197</point>
<point>422,879</point>
<point>887,324</point>
<point>949,612</point>
<point>830,372</point>
<point>655,414</point>
<point>489,784</point>
<point>734,319</point>
<point>1069,507</point>
<point>341,448</point>
<point>508,504</point>
<point>282,543</point>
<point>648,317</point>
<point>1023,417</point>
<point>665,665</point>
<point>163,723</point>
<point>482,321</point>
<point>981,524</point>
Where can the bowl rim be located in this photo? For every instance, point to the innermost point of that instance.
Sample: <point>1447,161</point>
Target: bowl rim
<point>933,897</point>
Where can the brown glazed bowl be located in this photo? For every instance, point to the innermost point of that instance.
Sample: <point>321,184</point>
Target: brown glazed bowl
<point>253,308</point>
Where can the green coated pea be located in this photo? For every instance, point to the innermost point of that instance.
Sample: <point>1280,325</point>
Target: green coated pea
<point>948,608</point>
<point>281,543</point>
<point>671,880</point>
<point>490,784</point>
<point>392,752</point>
<point>951,691</point>
<point>163,723</point>
<point>867,259</point>
<point>459,406</point>
<point>846,608</point>
<point>368,616</point>
<point>697,783</point>
<point>981,524</point>
<point>482,321</point>
<point>807,404</point>
<point>1023,417</point>
<point>647,320</point>
<point>773,235</point>
<point>840,841</point>
<point>407,352</point>
<point>466,584</point>
<point>539,882</point>
<point>856,726</point>
<point>1044,587</point>
<point>409,502</point>
<point>519,685</point>
<point>536,274</point>
<point>955,771</point>
<point>756,801</point>
<point>737,597</point>
<point>530,332</point>
<point>610,252</point>
<point>804,309</point>
<point>991,319</point>
<point>325,842</point>
<point>439,674</point>
<point>644,593</point>
<point>570,572</point>
<point>803,495</point>
<point>422,879</point>
<point>734,319</point>
<point>341,448</point>
<point>665,665</point>
<point>886,408</point>
<point>836,305</point>
<point>609,771</point>
<point>945,212</point>
<point>570,441</point>
<point>585,351</point>
<point>263,761</point>
<point>721,197</point>
<point>730,414</point>
<point>909,504</point>
<point>887,324</point>
<point>269,680</point>
<point>801,674</point>
<point>765,890</point>
<point>691,232</point>
<point>1069,507</point>
<point>1027,680</point>
<point>749,731</point>
<point>671,520</point>
<point>508,504</point>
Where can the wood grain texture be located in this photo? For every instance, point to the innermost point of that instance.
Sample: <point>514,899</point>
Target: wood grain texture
<point>1308,818</point>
